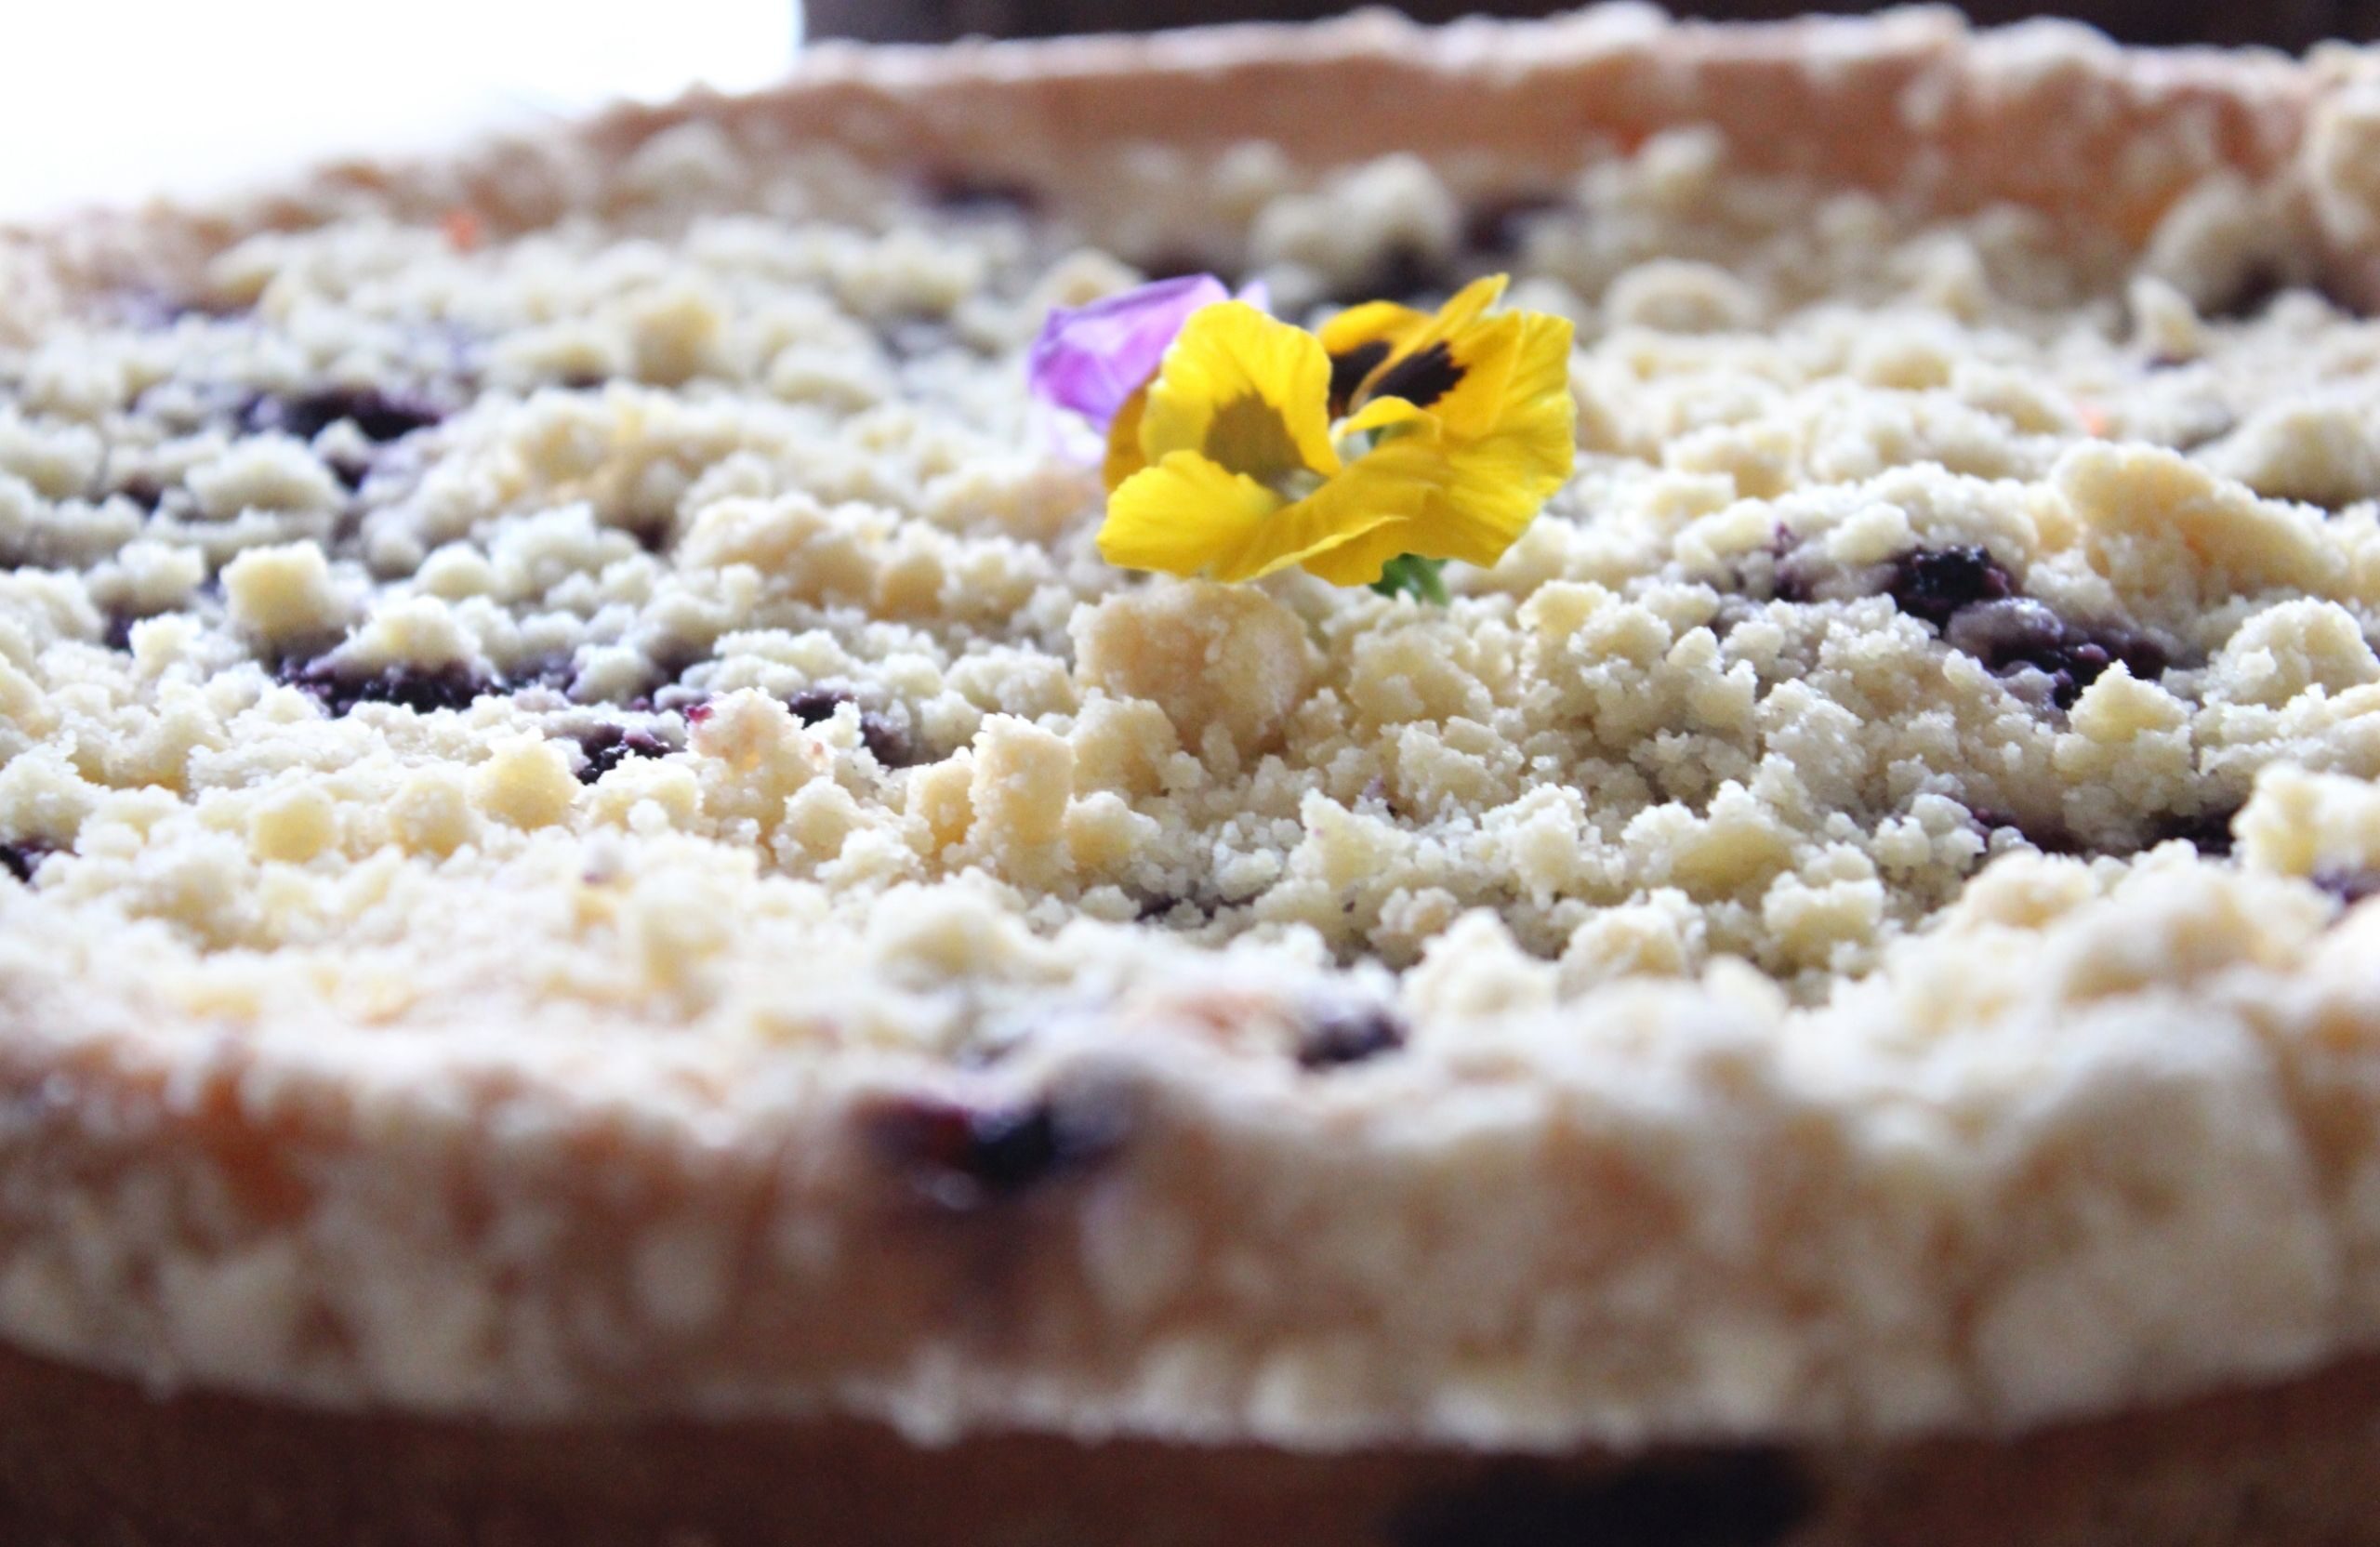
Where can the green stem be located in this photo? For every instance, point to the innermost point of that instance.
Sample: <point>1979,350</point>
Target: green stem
<point>1410,574</point>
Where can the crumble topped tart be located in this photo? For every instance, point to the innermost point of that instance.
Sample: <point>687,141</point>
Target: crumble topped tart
<point>588,834</point>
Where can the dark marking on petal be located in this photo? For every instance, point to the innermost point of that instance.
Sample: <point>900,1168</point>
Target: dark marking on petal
<point>1748,1498</point>
<point>1350,1035</point>
<point>1348,370</point>
<point>960,1158</point>
<point>1420,378</point>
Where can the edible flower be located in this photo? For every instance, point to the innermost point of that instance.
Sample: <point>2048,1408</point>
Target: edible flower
<point>1370,455</point>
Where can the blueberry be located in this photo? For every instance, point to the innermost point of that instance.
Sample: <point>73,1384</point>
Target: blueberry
<point>1404,272</point>
<point>962,193</point>
<point>2050,838</point>
<point>416,688</point>
<point>889,744</point>
<point>813,705</point>
<point>380,416</point>
<point>1350,1035</point>
<point>21,858</point>
<point>2259,287</point>
<point>960,1158</point>
<point>1496,227</point>
<point>2209,831</point>
<point>1936,583</point>
<point>607,746</point>
<point>2018,632</point>
<point>2349,886</point>
<point>886,740</point>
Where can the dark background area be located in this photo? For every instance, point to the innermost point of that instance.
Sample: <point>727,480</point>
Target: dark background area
<point>2293,24</point>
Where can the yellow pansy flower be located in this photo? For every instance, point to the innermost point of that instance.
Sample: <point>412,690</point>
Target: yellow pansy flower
<point>1396,433</point>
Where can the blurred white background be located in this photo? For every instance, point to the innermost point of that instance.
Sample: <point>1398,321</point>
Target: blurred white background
<point>110,101</point>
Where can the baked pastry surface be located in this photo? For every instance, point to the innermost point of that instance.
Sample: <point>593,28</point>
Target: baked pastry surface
<point>593,840</point>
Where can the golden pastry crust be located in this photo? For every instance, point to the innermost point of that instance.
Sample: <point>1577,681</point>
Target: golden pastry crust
<point>2100,1135</point>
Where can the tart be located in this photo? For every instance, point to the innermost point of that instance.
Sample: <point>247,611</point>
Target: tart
<point>617,932</point>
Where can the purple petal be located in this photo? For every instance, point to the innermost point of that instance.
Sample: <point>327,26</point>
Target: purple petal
<point>1091,358</point>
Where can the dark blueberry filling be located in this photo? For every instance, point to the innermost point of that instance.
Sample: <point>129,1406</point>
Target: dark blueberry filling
<point>147,493</point>
<point>889,744</point>
<point>607,746</point>
<point>811,706</point>
<point>960,193</point>
<point>1495,229</point>
<point>2349,886</point>
<point>380,416</point>
<point>1350,1036</point>
<point>2017,633</point>
<point>2049,838</point>
<point>416,688</point>
<point>1403,274</point>
<point>1934,583</point>
<point>1181,263</point>
<point>961,1158</point>
<point>2257,289</point>
<point>1748,1498</point>
<point>21,858</point>
<point>2208,831</point>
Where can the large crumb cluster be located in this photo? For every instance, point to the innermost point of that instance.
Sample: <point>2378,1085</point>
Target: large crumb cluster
<point>587,630</point>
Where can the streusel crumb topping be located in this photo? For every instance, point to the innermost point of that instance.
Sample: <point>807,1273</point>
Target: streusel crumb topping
<point>563,630</point>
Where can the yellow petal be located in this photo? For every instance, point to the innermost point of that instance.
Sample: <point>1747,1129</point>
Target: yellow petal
<point>1466,305</point>
<point>1360,563</point>
<point>1499,444</point>
<point>1181,514</point>
<point>1188,515</point>
<point>1124,456</point>
<point>1341,511</point>
<point>1400,477</point>
<point>1384,413</point>
<point>1245,392</point>
<point>1372,323</point>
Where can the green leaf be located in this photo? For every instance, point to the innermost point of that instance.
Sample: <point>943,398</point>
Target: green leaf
<point>1410,574</point>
